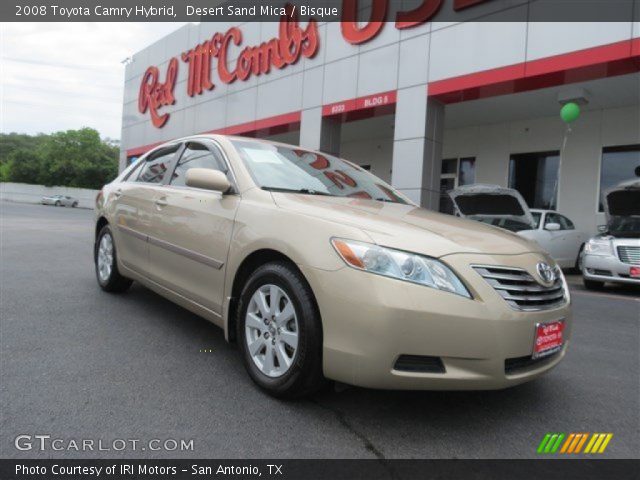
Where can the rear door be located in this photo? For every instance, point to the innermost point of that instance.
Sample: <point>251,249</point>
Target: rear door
<point>134,207</point>
<point>192,229</point>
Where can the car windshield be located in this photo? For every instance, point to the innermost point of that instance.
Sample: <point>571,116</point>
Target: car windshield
<point>536,218</point>
<point>279,168</point>
<point>628,227</point>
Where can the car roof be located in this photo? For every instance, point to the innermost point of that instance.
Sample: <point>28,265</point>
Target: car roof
<point>215,136</point>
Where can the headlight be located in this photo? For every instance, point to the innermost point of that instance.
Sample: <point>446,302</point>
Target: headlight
<point>400,265</point>
<point>598,246</point>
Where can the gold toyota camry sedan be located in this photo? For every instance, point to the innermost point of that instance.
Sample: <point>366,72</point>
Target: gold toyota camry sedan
<point>319,270</point>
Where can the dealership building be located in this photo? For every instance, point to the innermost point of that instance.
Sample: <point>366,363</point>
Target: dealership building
<point>426,106</point>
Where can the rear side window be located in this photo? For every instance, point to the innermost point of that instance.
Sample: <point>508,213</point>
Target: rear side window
<point>155,168</point>
<point>195,155</point>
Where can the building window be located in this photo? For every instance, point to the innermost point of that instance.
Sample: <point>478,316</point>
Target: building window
<point>455,173</point>
<point>618,164</point>
<point>535,176</point>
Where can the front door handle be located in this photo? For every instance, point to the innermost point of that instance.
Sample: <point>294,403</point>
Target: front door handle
<point>161,202</point>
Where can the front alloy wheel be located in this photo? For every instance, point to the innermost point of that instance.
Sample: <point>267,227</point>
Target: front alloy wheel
<point>279,331</point>
<point>271,330</point>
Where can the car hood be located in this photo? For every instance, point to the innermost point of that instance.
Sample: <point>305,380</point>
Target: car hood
<point>480,201</point>
<point>407,227</point>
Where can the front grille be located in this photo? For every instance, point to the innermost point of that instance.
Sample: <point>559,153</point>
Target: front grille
<point>520,364</point>
<point>520,290</point>
<point>630,255</point>
<point>419,363</point>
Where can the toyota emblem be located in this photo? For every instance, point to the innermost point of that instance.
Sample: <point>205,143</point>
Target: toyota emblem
<point>547,274</point>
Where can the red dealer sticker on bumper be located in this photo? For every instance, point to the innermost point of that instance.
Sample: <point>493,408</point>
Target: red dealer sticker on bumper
<point>549,339</point>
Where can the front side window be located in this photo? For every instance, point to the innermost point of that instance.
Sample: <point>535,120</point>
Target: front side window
<point>278,168</point>
<point>155,167</point>
<point>618,164</point>
<point>536,218</point>
<point>553,218</point>
<point>535,176</point>
<point>195,155</point>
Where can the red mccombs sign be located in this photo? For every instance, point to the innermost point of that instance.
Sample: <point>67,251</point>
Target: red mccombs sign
<point>292,43</point>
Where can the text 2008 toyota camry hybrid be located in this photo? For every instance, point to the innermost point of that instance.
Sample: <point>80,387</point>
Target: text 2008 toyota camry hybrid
<point>320,271</point>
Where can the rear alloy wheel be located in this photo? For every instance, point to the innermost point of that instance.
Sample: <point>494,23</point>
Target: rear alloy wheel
<point>109,277</point>
<point>593,284</point>
<point>279,332</point>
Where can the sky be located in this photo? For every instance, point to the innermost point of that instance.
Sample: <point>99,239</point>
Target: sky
<point>60,76</point>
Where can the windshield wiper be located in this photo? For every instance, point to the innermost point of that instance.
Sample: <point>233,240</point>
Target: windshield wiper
<point>305,191</point>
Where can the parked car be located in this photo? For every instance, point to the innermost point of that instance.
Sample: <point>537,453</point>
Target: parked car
<point>319,270</point>
<point>614,255</point>
<point>505,208</point>
<point>60,201</point>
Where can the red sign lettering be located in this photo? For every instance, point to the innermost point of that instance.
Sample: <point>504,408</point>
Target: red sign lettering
<point>155,94</point>
<point>291,44</point>
<point>356,34</point>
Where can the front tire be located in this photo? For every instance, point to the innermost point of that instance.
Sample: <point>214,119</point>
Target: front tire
<point>279,332</point>
<point>106,263</point>
<point>592,284</point>
<point>579,266</point>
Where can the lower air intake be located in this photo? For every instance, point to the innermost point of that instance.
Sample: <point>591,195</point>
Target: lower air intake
<point>419,363</point>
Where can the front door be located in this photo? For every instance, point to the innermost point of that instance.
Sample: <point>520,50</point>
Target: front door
<point>133,208</point>
<point>558,241</point>
<point>193,228</point>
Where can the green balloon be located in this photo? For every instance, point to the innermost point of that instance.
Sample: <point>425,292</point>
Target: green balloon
<point>570,112</point>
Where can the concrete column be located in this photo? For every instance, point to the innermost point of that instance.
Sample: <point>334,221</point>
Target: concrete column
<point>319,133</point>
<point>417,146</point>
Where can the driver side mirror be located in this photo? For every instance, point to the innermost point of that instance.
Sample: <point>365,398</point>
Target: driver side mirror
<point>552,227</point>
<point>207,179</point>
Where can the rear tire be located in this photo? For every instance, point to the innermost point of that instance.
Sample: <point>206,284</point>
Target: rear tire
<point>593,284</point>
<point>106,263</point>
<point>57,204</point>
<point>74,205</point>
<point>268,329</point>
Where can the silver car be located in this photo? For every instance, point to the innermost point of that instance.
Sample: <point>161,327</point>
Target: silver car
<point>60,201</point>
<point>614,254</point>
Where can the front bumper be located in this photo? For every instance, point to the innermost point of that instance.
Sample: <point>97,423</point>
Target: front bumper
<point>607,268</point>
<point>369,321</point>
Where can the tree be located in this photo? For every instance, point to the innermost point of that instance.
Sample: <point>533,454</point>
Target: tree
<point>24,166</point>
<point>75,158</point>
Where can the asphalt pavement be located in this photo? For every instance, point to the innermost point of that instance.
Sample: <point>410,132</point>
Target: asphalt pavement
<point>77,363</point>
